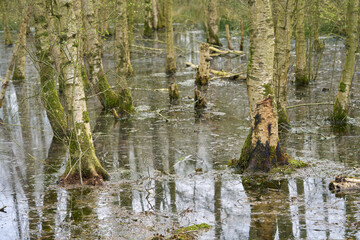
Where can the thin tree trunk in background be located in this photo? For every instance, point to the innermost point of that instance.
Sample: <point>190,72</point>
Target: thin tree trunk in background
<point>19,69</point>
<point>15,54</point>
<point>228,37</point>
<point>5,23</point>
<point>148,29</point>
<point>318,45</point>
<point>44,45</point>
<point>83,165</point>
<point>155,14</point>
<point>261,150</point>
<point>301,77</point>
<point>103,16</point>
<point>242,35</point>
<point>170,51</point>
<point>341,105</point>
<point>283,32</point>
<point>213,23</point>
<point>161,10</point>
<point>130,19</point>
<point>123,62</point>
<point>93,61</point>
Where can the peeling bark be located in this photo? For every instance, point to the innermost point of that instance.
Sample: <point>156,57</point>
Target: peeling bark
<point>261,150</point>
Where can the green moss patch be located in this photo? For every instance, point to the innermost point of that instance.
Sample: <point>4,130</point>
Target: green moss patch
<point>190,232</point>
<point>291,167</point>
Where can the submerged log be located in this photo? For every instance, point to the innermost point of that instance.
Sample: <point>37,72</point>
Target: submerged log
<point>218,52</point>
<point>221,74</point>
<point>343,183</point>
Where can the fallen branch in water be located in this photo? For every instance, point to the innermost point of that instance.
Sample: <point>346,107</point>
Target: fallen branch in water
<point>344,184</point>
<point>220,74</point>
<point>219,52</point>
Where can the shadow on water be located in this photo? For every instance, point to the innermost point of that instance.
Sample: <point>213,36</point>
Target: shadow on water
<point>168,161</point>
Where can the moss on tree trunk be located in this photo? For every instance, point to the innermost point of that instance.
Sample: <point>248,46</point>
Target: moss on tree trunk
<point>340,111</point>
<point>261,150</point>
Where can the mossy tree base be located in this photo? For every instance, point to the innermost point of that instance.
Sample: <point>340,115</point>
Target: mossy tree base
<point>261,158</point>
<point>261,151</point>
<point>339,115</point>
<point>301,79</point>
<point>283,119</point>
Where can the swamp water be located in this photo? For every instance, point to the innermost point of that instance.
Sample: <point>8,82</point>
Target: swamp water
<point>168,166</point>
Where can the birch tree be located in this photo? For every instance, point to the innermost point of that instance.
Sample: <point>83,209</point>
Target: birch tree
<point>44,48</point>
<point>83,166</point>
<point>283,18</point>
<point>261,150</point>
<point>341,105</point>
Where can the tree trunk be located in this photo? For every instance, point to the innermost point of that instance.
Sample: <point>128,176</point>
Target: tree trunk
<point>213,23</point>
<point>170,51</point>
<point>103,17</point>
<point>93,61</point>
<point>301,77</point>
<point>83,166</point>
<point>19,69</point>
<point>123,63</point>
<point>5,23</point>
<point>318,45</point>
<point>203,71</point>
<point>228,37</point>
<point>283,33</point>
<point>161,8</point>
<point>261,150</point>
<point>341,106</point>
<point>14,56</point>
<point>155,13</point>
<point>148,30</point>
<point>44,45</point>
<point>242,35</point>
<point>130,19</point>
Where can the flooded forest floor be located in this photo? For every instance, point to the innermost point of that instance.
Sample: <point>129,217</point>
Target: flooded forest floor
<point>168,164</point>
